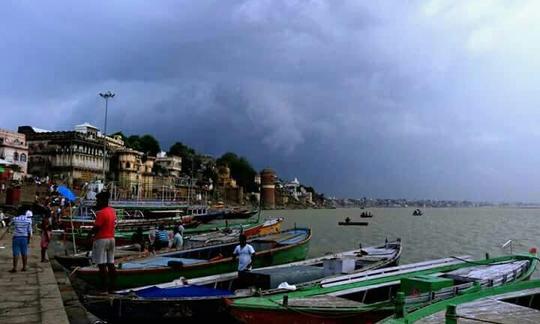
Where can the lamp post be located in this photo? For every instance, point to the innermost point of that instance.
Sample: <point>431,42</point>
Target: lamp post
<point>107,95</point>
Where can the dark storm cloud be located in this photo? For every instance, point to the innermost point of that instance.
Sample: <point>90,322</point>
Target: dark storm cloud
<point>420,99</point>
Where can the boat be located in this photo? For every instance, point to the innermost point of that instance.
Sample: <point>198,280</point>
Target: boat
<point>511,303</point>
<point>202,298</point>
<point>198,240</point>
<point>417,212</point>
<point>369,297</point>
<point>349,222</point>
<point>366,215</point>
<point>284,247</point>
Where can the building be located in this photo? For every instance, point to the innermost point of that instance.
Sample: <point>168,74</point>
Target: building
<point>14,150</point>
<point>75,156</point>
<point>268,189</point>
<point>170,165</point>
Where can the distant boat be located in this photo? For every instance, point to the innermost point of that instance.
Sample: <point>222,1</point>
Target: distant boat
<point>349,222</point>
<point>366,215</point>
<point>417,212</point>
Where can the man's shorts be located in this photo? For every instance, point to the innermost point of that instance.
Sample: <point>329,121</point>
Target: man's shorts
<point>103,251</point>
<point>20,246</point>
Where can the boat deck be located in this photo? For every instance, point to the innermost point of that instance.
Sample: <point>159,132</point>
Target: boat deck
<point>491,310</point>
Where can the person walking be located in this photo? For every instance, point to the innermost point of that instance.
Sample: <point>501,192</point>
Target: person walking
<point>21,238</point>
<point>45,238</point>
<point>103,246</point>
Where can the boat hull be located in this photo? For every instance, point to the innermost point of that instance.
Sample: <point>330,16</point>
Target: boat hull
<point>291,317</point>
<point>137,311</point>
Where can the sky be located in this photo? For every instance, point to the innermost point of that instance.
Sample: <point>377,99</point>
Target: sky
<point>411,99</point>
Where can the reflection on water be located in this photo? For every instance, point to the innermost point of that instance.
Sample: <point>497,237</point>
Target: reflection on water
<point>440,232</point>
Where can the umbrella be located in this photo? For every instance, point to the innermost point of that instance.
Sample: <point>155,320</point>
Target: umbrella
<point>64,191</point>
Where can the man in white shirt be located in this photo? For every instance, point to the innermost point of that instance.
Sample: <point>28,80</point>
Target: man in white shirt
<point>244,253</point>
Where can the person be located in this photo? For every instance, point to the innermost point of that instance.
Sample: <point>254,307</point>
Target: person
<point>244,253</point>
<point>103,246</point>
<point>3,222</point>
<point>138,238</point>
<point>152,233</point>
<point>21,238</point>
<point>162,237</point>
<point>178,240</point>
<point>45,237</point>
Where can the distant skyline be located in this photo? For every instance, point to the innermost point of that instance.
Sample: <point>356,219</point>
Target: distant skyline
<point>418,99</point>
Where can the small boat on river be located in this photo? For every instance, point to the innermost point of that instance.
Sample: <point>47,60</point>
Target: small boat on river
<point>375,295</point>
<point>417,212</point>
<point>284,247</point>
<point>202,298</point>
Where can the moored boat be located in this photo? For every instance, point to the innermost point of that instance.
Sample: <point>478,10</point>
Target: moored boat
<point>369,297</point>
<point>517,302</point>
<point>126,250</point>
<point>284,247</point>
<point>202,298</point>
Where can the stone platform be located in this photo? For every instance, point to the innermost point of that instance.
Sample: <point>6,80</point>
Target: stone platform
<point>32,296</point>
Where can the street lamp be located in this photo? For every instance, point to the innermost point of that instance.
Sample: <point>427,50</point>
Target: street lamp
<point>107,95</point>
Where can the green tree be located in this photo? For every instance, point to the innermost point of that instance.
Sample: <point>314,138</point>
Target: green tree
<point>191,161</point>
<point>241,170</point>
<point>149,145</point>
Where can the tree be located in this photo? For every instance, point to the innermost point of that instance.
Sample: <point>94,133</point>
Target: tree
<point>241,170</point>
<point>191,161</point>
<point>149,145</point>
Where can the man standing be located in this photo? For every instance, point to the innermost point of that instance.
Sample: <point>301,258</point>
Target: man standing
<point>244,252</point>
<point>103,247</point>
<point>21,237</point>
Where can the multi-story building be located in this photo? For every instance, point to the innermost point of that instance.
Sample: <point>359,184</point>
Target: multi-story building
<point>14,150</point>
<point>74,156</point>
<point>172,165</point>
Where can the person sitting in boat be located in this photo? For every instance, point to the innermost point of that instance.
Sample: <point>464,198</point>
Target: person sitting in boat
<point>244,252</point>
<point>138,238</point>
<point>162,238</point>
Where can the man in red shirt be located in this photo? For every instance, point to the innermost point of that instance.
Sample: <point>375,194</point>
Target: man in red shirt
<point>103,248</point>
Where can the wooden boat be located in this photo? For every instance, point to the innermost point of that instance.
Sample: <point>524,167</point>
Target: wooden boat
<point>368,297</point>
<point>202,298</point>
<point>284,247</point>
<point>517,302</point>
<point>222,236</point>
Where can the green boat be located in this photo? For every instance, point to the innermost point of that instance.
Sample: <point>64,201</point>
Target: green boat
<point>373,296</point>
<point>273,249</point>
<point>517,302</point>
<point>122,236</point>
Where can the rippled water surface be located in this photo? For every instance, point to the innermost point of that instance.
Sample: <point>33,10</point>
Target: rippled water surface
<point>440,232</point>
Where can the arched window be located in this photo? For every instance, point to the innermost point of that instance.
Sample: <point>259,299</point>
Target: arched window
<point>15,156</point>
<point>23,157</point>
<point>128,165</point>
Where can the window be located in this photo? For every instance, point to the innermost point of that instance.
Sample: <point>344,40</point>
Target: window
<point>128,165</point>
<point>15,156</point>
<point>23,157</point>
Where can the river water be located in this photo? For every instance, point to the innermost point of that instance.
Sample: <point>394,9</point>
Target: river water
<point>440,232</point>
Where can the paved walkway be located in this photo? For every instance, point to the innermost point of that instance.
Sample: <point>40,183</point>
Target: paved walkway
<point>31,296</point>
